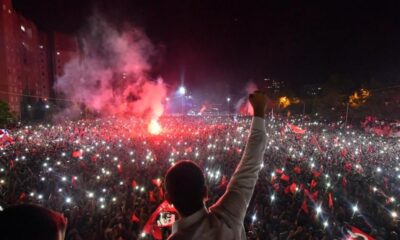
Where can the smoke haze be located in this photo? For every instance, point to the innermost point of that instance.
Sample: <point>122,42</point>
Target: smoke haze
<point>112,74</point>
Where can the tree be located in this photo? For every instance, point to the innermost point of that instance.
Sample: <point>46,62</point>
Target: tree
<point>5,114</point>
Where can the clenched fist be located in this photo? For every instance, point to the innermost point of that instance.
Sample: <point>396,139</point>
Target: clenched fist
<point>258,101</point>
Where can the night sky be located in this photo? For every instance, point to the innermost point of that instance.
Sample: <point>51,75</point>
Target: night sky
<point>224,44</point>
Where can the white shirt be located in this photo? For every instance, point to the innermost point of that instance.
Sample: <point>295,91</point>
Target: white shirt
<point>224,220</point>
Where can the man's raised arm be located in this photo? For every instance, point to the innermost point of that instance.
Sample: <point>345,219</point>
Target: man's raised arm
<point>232,206</point>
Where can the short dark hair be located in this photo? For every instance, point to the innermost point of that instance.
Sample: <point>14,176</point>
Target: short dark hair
<point>186,185</point>
<point>30,222</point>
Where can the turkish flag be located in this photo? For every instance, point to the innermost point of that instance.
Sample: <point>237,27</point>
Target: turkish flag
<point>330,200</point>
<point>296,129</point>
<point>316,174</point>
<point>134,218</point>
<point>134,184</point>
<point>293,188</point>
<point>304,206</point>
<point>76,154</point>
<point>355,234</point>
<point>151,226</point>
<point>297,170</point>
<point>22,197</point>
<point>285,177</point>
<point>313,183</point>
<point>312,196</point>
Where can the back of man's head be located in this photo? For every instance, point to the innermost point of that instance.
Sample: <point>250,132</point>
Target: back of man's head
<point>31,222</point>
<point>185,187</point>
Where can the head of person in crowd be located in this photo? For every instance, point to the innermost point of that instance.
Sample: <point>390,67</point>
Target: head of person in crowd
<point>185,187</point>
<point>31,222</point>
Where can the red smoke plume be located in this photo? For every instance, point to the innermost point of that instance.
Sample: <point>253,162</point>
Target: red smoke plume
<point>111,76</point>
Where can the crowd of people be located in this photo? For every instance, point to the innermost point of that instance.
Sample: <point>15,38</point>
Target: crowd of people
<point>319,180</point>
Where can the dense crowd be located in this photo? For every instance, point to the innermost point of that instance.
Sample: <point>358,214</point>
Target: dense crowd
<point>319,180</point>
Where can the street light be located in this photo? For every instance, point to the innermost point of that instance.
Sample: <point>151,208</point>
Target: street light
<point>228,99</point>
<point>182,90</point>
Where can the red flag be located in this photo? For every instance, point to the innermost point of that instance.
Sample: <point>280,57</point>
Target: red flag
<point>286,190</point>
<point>296,129</point>
<point>156,182</point>
<point>304,206</point>
<point>316,174</point>
<point>284,177</point>
<point>134,184</point>
<point>297,170</point>
<point>355,233</point>
<point>76,154</point>
<point>22,197</point>
<point>151,226</point>
<point>134,218</point>
<point>293,188</point>
<point>330,200</point>
<point>313,183</point>
<point>312,196</point>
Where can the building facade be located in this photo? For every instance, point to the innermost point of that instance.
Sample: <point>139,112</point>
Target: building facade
<point>20,57</point>
<point>30,60</point>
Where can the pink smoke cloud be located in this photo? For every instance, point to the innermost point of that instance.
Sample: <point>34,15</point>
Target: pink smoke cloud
<point>112,74</point>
